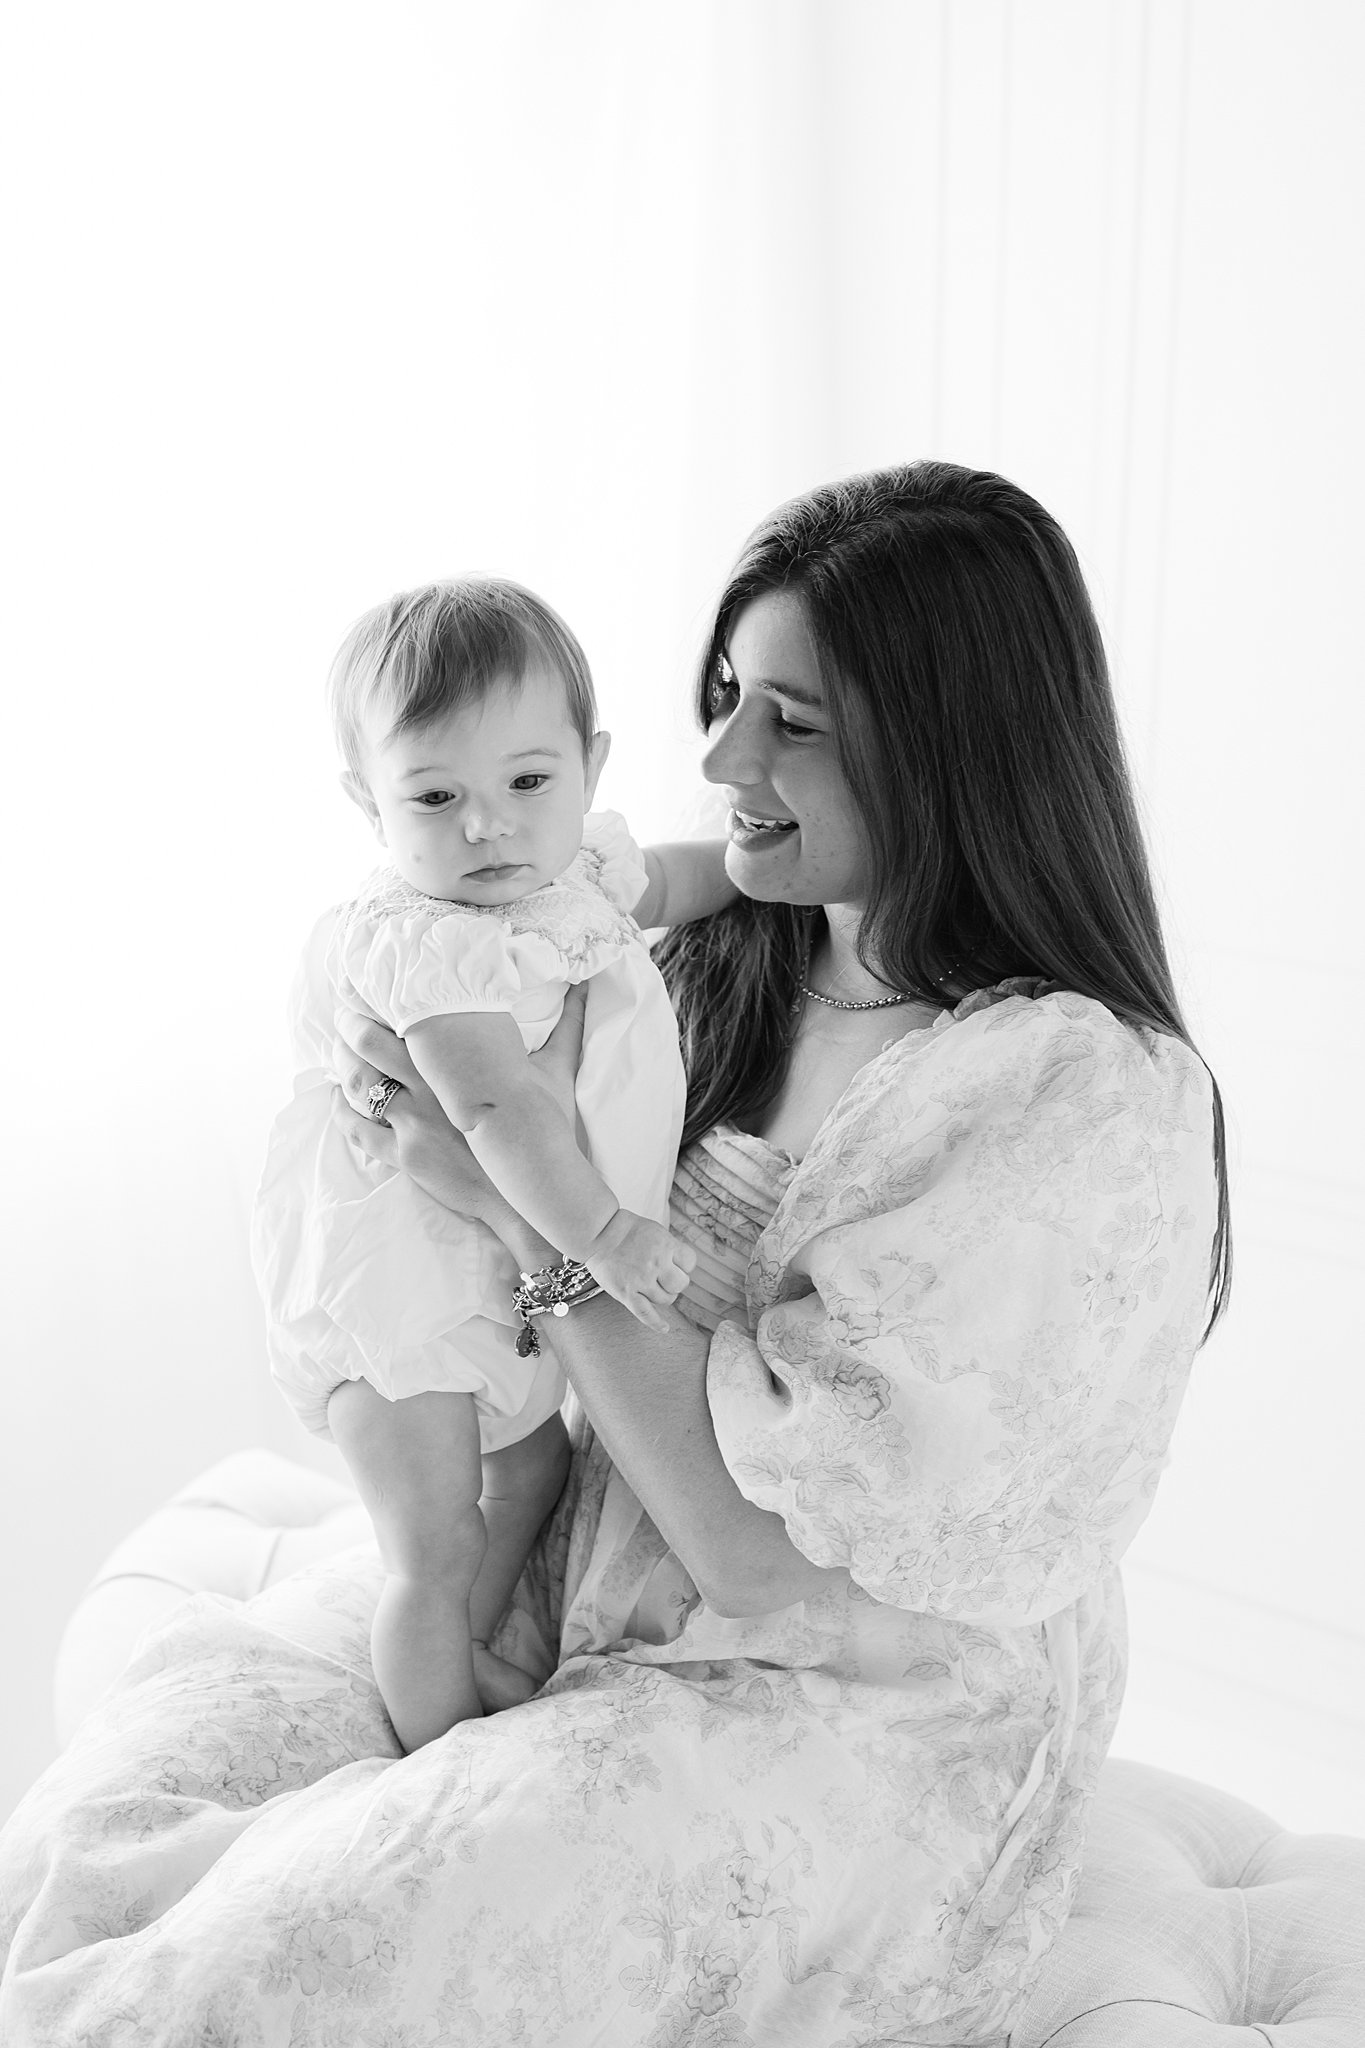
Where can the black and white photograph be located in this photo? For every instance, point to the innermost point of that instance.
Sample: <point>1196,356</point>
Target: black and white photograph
<point>684,1200</point>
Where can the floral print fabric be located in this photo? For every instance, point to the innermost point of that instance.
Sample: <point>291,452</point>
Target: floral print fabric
<point>976,1308</point>
<point>855,1821</point>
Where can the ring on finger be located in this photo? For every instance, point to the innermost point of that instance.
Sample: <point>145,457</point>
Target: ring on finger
<point>379,1098</point>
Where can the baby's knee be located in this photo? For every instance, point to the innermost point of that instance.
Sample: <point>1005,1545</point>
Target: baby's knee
<point>439,1544</point>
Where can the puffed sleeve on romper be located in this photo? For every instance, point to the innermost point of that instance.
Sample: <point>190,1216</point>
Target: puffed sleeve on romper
<point>976,1310</point>
<point>413,965</point>
<point>618,864</point>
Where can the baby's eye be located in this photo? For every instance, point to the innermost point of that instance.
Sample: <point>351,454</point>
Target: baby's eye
<point>525,783</point>
<point>433,799</point>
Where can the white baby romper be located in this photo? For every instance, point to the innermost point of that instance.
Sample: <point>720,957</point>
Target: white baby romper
<point>365,1275</point>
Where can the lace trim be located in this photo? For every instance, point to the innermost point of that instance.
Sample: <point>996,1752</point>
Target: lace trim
<point>573,912</point>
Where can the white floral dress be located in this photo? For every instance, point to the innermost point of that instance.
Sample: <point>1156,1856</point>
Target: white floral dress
<point>971,1311</point>
<point>363,1274</point>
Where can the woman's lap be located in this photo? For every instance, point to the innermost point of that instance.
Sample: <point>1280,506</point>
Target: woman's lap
<point>230,1851</point>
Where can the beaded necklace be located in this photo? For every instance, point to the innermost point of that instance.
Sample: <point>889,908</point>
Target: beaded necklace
<point>874,1002</point>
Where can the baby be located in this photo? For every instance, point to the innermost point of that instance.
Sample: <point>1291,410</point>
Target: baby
<point>466,718</point>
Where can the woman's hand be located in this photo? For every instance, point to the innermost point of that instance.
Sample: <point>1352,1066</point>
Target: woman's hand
<point>417,1135</point>
<point>644,1394</point>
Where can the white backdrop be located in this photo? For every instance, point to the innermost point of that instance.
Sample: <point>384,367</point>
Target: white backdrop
<point>308,302</point>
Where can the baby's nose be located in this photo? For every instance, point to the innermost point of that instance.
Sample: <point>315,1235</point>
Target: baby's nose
<point>484,821</point>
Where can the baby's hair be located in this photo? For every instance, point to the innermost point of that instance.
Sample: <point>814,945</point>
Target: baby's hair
<point>431,650</point>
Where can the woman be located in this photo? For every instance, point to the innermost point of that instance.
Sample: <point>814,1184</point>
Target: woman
<point>832,1591</point>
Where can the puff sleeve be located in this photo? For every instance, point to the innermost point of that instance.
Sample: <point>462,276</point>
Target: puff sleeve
<point>405,966</point>
<point>620,866</point>
<point>976,1311</point>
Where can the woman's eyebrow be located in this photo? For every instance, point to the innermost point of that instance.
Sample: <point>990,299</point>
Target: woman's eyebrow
<point>775,687</point>
<point>798,695</point>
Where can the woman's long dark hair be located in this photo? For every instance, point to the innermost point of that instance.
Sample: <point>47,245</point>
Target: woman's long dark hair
<point>975,728</point>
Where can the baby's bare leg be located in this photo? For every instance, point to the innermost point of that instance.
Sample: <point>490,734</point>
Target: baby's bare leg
<point>521,1483</point>
<point>416,1463</point>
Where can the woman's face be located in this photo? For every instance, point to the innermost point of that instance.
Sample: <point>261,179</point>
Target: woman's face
<point>795,835</point>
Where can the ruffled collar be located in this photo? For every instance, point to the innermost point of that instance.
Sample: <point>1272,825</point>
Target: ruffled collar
<point>1030,986</point>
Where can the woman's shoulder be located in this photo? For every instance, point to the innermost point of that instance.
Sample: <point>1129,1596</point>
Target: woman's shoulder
<point>1029,1115</point>
<point>1013,1071</point>
<point>1054,1039</point>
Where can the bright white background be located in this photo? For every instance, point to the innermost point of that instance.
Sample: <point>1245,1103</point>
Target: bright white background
<point>309,302</point>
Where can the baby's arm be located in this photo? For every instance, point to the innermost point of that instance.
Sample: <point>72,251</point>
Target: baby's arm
<point>477,1066</point>
<point>686,880</point>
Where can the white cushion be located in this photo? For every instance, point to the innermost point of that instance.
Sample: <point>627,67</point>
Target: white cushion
<point>249,1520</point>
<point>1198,1922</point>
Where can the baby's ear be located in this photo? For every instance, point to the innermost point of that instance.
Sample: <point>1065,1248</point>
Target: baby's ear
<point>357,792</point>
<point>599,746</point>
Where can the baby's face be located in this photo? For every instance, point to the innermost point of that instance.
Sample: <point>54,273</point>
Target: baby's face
<point>486,804</point>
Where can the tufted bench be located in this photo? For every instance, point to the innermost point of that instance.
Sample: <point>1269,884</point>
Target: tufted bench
<point>1199,1923</point>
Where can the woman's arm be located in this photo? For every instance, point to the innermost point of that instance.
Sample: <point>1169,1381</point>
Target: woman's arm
<point>687,879</point>
<point>476,1065</point>
<point>645,1395</point>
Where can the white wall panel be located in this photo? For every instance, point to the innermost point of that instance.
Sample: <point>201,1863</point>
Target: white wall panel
<point>318,303</point>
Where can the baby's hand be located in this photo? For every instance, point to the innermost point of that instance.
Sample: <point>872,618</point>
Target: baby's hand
<point>638,1263</point>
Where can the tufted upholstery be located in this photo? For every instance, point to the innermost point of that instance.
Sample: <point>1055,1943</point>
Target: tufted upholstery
<point>1198,1924</point>
<point>246,1522</point>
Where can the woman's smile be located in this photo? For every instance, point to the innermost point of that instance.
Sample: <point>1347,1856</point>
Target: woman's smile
<point>745,824</point>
